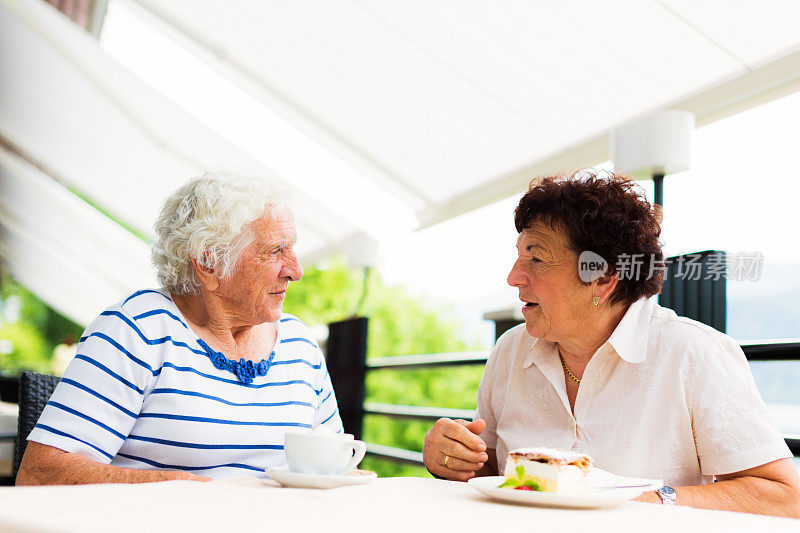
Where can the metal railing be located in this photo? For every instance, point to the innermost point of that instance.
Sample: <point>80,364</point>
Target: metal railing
<point>770,351</point>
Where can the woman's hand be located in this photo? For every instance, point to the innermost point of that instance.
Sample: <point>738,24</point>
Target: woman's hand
<point>453,449</point>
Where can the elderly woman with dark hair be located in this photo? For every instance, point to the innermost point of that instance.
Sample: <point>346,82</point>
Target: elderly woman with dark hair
<point>599,367</point>
<point>202,377</point>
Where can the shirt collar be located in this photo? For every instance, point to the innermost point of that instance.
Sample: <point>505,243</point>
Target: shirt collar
<point>629,339</point>
<point>539,351</point>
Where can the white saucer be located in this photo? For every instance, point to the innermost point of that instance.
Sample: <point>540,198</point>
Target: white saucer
<point>608,490</point>
<point>287,478</point>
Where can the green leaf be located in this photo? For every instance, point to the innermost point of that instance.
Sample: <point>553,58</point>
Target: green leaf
<point>520,472</point>
<point>512,483</point>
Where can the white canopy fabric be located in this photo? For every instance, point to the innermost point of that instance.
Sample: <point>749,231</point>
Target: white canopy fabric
<point>80,271</point>
<point>101,130</point>
<point>442,107</point>
<point>454,104</point>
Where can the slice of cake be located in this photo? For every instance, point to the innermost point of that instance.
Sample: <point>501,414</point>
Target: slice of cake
<point>547,470</point>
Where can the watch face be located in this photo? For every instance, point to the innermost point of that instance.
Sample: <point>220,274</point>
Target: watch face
<point>666,490</point>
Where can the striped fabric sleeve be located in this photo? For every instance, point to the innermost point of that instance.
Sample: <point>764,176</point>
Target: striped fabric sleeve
<point>327,409</point>
<point>100,395</point>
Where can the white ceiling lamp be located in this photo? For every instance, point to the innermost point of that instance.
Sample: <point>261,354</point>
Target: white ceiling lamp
<point>654,146</point>
<point>361,251</point>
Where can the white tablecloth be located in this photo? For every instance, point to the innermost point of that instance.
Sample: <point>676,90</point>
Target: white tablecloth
<point>410,505</point>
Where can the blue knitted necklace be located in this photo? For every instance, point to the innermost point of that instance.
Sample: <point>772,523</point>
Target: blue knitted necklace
<point>246,371</point>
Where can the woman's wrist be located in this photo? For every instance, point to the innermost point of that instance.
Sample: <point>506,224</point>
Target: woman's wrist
<point>649,497</point>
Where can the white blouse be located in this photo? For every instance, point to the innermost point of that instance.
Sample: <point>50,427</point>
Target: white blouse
<point>665,397</point>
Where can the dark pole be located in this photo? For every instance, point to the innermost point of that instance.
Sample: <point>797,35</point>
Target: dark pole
<point>347,363</point>
<point>658,188</point>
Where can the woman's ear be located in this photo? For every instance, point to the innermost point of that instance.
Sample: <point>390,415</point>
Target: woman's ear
<point>604,286</point>
<point>205,275</point>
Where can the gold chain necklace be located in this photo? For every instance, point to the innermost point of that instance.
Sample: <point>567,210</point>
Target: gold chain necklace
<point>569,372</point>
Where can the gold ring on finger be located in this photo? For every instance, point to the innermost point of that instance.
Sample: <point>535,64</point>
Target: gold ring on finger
<point>446,458</point>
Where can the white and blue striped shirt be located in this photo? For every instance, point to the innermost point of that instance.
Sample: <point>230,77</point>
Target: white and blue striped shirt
<point>143,393</point>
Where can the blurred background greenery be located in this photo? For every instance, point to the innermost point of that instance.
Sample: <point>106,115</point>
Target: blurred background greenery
<point>30,330</point>
<point>399,325</point>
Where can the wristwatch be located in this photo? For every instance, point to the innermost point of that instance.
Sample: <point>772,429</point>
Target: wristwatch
<point>668,495</point>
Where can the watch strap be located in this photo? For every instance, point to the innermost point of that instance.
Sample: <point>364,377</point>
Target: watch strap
<point>668,495</point>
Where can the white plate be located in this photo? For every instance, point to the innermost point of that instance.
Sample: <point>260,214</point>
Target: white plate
<point>608,490</point>
<point>287,478</point>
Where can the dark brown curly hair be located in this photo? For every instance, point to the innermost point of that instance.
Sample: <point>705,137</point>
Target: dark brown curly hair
<point>606,214</point>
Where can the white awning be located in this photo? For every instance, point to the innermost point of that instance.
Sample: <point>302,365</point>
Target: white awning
<point>79,271</point>
<point>452,105</point>
<point>97,128</point>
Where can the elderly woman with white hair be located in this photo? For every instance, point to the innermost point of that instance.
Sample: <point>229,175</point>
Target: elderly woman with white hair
<point>202,377</point>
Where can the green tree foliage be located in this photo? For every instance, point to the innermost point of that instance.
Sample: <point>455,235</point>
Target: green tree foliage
<point>33,333</point>
<point>28,348</point>
<point>399,325</point>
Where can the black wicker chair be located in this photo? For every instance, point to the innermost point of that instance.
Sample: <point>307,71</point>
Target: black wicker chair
<point>34,391</point>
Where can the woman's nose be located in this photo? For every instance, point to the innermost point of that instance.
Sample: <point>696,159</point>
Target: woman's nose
<point>515,277</point>
<point>293,269</point>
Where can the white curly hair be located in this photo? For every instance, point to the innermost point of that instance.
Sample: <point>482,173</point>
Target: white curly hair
<point>207,219</point>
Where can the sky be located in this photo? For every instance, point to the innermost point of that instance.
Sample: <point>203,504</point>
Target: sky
<point>739,194</point>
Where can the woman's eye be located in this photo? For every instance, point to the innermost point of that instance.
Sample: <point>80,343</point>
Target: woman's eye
<point>532,258</point>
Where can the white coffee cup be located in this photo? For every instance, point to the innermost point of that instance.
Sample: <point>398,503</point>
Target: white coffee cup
<point>324,454</point>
